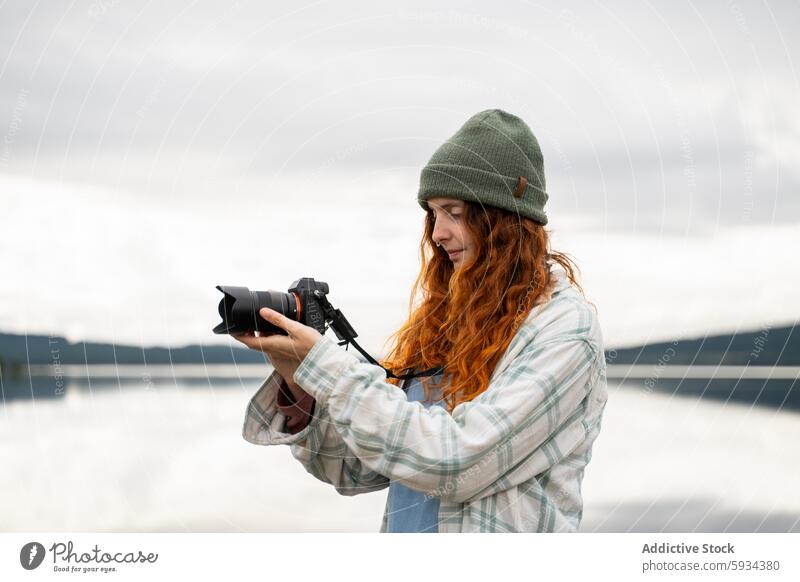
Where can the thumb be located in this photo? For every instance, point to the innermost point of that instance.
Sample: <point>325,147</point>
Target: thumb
<point>276,318</point>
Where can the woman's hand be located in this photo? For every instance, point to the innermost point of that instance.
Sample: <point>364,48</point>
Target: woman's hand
<point>285,352</point>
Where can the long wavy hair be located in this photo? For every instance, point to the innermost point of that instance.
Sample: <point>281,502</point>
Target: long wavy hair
<point>465,318</point>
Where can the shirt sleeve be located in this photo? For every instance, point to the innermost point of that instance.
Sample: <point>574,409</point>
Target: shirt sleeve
<point>529,418</point>
<point>318,446</point>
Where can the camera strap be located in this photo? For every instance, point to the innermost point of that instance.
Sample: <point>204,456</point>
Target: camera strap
<point>345,332</point>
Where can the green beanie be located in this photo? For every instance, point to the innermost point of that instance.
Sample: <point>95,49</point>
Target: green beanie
<point>494,160</point>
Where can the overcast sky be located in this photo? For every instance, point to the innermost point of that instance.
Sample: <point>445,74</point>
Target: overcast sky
<point>149,152</point>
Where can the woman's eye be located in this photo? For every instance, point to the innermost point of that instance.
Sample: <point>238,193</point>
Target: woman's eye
<point>449,215</point>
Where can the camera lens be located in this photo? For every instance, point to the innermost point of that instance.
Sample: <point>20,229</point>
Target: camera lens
<point>239,309</point>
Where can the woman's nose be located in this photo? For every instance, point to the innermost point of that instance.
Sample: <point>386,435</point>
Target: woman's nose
<point>440,233</point>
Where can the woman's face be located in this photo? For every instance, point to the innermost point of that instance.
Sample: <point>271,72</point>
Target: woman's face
<point>450,229</point>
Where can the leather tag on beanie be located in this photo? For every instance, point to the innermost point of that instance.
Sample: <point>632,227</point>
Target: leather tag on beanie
<point>522,183</point>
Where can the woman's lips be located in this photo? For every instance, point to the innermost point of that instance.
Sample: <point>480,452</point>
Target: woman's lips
<point>455,254</point>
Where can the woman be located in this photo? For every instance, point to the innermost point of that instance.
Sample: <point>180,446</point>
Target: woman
<point>499,441</point>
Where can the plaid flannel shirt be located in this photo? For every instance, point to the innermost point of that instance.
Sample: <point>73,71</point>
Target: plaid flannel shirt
<point>510,460</point>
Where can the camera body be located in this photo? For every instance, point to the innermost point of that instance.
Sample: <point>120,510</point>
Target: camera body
<point>304,302</point>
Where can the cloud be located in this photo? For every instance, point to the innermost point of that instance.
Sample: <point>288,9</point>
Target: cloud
<point>174,144</point>
<point>102,265</point>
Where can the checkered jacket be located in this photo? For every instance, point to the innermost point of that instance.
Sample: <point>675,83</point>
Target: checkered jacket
<point>510,460</point>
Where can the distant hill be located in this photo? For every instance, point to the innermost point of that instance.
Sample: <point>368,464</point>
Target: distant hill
<point>41,349</point>
<point>777,346</point>
<point>763,347</point>
<point>18,351</point>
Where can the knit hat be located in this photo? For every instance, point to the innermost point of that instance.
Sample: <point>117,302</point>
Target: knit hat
<point>494,160</point>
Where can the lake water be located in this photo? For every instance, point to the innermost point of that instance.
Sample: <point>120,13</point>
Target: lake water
<point>159,454</point>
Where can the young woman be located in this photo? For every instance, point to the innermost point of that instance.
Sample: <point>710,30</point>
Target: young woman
<point>500,439</point>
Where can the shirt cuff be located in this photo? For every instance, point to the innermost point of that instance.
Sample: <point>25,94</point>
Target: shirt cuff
<point>322,367</point>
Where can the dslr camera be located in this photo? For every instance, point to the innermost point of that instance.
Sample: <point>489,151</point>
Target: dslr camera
<point>305,301</point>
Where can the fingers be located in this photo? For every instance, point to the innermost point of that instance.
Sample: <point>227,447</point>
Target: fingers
<point>268,344</point>
<point>249,339</point>
<point>277,319</point>
<point>276,343</point>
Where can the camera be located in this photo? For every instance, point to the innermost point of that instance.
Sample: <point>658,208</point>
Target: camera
<point>304,302</point>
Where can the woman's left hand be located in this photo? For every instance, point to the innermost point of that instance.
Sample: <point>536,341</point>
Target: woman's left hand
<point>293,347</point>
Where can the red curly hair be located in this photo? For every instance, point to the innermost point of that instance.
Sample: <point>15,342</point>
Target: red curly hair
<point>467,317</point>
